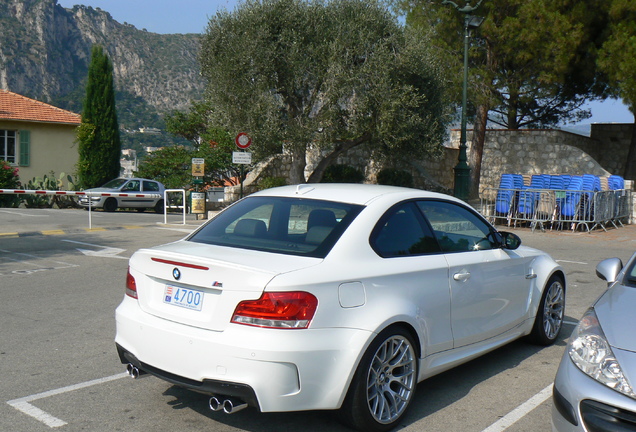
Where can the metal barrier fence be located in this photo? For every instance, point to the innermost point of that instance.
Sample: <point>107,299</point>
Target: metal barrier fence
<point>96,194</point>
<point>557,209</point>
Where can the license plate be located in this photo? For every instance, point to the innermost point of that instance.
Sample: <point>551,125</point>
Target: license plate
<point>183,297</point>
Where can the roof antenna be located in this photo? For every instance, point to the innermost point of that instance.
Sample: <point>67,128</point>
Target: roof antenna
<point>302,189</point>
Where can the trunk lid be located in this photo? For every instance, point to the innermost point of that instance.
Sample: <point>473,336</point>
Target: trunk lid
<point>200,285</point>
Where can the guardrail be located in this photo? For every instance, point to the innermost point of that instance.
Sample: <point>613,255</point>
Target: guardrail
<point>557,209</point>
<point>96,194</point>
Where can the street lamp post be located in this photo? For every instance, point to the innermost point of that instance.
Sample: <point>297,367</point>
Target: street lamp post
<point>462,170</point>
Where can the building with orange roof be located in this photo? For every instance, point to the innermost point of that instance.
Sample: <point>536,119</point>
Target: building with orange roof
<point>37,137</point>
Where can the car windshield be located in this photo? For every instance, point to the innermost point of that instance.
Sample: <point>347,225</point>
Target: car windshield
<point>289,226</point>
<point>115,184</point>
<point>630,274</point>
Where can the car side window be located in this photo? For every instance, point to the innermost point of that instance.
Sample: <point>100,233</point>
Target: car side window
<point>132,186</point>
<point>151,186</point>
<point>402,232</point>
<point>456,228</point>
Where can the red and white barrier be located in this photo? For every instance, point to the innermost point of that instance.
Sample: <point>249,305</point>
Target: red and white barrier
<point>82,193</point>
<point>75,193</point>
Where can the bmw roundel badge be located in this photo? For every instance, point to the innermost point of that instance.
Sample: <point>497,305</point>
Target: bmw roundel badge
<point>176,274</point>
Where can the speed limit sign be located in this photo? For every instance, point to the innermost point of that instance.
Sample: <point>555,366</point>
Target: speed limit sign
<point>243,140</point>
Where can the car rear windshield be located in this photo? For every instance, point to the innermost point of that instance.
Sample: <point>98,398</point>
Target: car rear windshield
<point>281,225</point>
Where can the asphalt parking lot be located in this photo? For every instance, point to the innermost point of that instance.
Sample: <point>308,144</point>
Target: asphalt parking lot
<point>60,282</point>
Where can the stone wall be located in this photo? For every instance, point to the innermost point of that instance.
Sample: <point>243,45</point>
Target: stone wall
<point>536,152</point>
<point>543,151</point>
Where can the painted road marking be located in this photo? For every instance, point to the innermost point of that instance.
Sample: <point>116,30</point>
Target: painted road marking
<point>62,231</point>
<point>104,251</point>
<point>53,232</point>
<point>24,404</point>
<point>33,263</point>
<point>521,411</point>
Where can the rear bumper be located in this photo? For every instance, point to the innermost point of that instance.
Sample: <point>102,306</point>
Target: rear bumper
<point>273,370</point>
<point>207,386</point>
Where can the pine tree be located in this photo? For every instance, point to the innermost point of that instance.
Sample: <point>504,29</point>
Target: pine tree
<point>98,135</point>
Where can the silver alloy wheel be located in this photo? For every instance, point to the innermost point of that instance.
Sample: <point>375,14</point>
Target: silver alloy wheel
<point>553,309</point>
<point>391,379</point>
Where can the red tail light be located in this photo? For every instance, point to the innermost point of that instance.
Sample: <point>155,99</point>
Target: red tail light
<point>131,285</point>
<point>285,310</point>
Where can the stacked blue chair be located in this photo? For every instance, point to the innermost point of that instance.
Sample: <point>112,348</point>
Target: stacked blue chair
<point>591,184</point>
<point>570,207</point>
<point>506,194</point>
<point>557,182</point>
<point>616,182</point>
<point>528,198</point>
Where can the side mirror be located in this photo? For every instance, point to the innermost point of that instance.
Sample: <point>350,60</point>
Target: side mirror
<point>509,240</point>
<point>609,269</point>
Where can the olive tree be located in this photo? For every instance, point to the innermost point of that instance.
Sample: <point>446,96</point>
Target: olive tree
<point>329,75</point>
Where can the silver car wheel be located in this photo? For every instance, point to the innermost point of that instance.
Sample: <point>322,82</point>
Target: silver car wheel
<point>553,309</point>
<point>391,379</point>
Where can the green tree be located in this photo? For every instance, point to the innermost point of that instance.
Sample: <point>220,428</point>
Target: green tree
<point>328,75</point>
<point>98,134</point>
<point>169,165</point>
<point>211,143</point>
<point>617,58</point>
<point>532,63</point>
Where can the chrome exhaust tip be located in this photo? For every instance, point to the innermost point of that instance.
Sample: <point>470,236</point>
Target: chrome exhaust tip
<point>215,404</point>
<point>134,372</point>
<point>231,406</point>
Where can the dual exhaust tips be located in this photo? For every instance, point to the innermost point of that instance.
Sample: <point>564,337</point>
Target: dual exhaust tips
<point>228,405</point>
<point>134,372</point>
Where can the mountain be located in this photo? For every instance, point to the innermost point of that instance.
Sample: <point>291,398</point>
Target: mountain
<point>45,51</point>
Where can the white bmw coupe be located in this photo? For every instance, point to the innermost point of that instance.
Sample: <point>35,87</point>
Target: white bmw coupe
<point>333,297</point>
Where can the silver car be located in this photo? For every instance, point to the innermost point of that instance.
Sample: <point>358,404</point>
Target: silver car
<point>139,194</point>
<point>593,390</point>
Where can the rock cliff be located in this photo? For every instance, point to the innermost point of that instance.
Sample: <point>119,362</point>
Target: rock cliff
<point>45,52</point>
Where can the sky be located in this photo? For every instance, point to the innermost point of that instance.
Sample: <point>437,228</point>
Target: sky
<point>191,16</point>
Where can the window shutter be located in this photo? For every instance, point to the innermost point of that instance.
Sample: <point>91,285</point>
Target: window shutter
<point>25,148</point>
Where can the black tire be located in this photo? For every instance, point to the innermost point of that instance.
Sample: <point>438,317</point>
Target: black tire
<point>549,319</point>
<point>110,205</point>
<point>159,206</point>
<point>384,383</point>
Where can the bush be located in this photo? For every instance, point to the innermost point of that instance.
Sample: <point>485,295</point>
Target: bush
<point>9,179</point>
<point>49,182</point>
<point>395,177</point>
<point>342,174</point>
<point>270,182</point>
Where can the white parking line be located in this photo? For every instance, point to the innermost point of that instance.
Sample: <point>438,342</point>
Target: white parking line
<point>23,404</point>
<point>518,413</point>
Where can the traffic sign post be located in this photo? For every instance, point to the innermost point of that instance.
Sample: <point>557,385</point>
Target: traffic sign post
<point>243,141</point>
<point>198,167</point>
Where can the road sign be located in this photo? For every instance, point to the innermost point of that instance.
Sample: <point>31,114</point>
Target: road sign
<point>242,158</point>
<point>243,140</point>
<point>198,167</point>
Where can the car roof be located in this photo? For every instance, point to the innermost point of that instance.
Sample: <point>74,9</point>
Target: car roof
<point>352,193</point>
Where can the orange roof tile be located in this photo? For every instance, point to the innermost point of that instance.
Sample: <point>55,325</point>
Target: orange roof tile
<point>16,107</point>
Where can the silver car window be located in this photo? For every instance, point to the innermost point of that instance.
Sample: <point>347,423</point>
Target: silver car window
<point>456,228</point>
